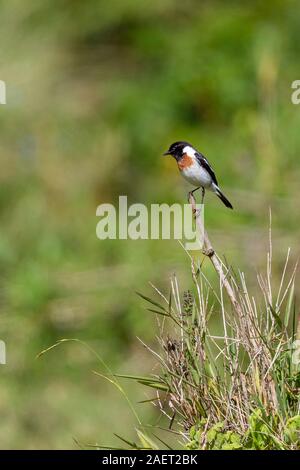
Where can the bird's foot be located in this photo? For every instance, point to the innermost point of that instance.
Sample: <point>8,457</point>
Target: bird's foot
<point>196,213</point>
<point>191,193</point>
<point>203,194</point>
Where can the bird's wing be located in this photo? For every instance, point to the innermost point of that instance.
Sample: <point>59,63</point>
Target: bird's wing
<point>203,162</point>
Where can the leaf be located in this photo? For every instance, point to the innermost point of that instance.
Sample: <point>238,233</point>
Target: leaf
<point>147,381</point>
<point>156,304</point>
<point>136,377</point>
<point>146,442</point>
<point>157,385</point>
<point>170,303</point>
<point>149,400</point>
<point>133,445</point>
<point>158,312</point>
<point>292,429</point>
<point>289,305</point>
<point>163,442</point>
<point>276,316</point>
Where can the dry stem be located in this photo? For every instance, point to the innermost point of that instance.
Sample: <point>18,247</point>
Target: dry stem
<point>210,252</point>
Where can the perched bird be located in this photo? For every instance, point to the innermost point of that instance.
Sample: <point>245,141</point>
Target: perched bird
<point>196,170</point>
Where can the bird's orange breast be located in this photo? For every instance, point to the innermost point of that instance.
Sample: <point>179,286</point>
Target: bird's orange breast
<point>185,162</point>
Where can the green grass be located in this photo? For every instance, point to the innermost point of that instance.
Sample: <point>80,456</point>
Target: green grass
<point>231,383</point>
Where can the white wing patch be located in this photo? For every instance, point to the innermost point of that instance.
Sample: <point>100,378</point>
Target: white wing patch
<point>189,151</point>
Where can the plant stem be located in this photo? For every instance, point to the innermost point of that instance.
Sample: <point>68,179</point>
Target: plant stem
<point>209,251</point>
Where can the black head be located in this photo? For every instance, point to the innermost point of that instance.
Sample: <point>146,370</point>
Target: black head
<point>176,149</point>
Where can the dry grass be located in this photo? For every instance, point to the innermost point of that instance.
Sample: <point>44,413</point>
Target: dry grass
<point>232,383</point>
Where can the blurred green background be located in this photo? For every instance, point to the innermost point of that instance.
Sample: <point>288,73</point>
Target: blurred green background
<point>96,91</point>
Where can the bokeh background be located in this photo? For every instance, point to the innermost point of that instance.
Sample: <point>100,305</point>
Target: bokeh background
<point>96,91</point>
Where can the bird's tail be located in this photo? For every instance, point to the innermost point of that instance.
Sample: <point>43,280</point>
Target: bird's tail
<point>222,197</point>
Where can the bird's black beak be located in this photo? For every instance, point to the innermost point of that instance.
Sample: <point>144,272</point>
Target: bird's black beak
<point>166,153</point>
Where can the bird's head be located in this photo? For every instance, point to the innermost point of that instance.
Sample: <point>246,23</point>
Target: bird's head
<point>177,149</point>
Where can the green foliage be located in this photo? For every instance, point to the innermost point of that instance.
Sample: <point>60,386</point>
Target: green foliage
<point>260,435</point>
<point>216,438</point>
<point>235,385</point>
<point>292,431</point>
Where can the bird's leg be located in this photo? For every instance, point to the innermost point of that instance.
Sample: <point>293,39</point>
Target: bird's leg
<point>191,193</point>
<point>203,194</point>
<point>196,189</point>
<point>198,212</point>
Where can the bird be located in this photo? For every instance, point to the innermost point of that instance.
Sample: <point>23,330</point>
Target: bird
<point>196,169</point>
